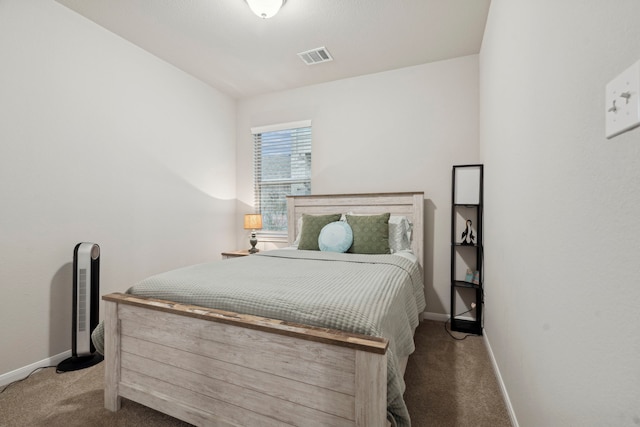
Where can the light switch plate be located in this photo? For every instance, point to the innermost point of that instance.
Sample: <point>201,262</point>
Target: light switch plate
<point>622,106</point>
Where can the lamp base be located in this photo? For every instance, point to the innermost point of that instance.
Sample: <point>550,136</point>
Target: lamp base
<point>254,242</point>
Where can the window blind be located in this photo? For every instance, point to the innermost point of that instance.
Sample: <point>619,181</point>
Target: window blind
<point>282,167</point>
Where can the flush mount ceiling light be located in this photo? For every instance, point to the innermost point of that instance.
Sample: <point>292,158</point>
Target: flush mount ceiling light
<point>265,8</point>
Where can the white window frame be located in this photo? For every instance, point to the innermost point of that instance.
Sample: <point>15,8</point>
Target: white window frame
<point>272,235</point>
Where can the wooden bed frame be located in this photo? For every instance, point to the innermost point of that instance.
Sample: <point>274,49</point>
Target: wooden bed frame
<point>216,368</point>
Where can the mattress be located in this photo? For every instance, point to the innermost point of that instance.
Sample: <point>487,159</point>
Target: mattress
<point>377,295</point>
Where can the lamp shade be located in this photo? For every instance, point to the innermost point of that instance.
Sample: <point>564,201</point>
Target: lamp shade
<point>265,8</point>
<point>252,221</point>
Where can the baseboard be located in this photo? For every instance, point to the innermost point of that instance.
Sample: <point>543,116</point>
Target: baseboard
<point>438,317</point>
<point>503,388</point>
<point>23,372</point>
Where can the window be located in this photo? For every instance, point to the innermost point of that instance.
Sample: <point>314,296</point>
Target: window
<point>282,167</point>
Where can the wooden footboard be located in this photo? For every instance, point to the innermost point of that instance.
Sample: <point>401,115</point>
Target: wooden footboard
<point>210,367</point>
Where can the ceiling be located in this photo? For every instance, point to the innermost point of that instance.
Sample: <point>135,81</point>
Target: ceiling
<point>222,43</point>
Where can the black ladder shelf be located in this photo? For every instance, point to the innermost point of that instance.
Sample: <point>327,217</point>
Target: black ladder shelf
<point>466,248</point>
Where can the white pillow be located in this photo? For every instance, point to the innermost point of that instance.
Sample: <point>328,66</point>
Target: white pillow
<point>399,233</point>
<point>298,230</point>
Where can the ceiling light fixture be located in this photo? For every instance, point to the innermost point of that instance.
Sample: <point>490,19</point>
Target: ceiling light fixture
<point>265,8</point>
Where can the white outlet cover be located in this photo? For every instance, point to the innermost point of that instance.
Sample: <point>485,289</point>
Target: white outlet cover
<point>622,108</point>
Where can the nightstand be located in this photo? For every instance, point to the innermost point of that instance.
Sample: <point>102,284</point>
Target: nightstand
<point>234,254</point>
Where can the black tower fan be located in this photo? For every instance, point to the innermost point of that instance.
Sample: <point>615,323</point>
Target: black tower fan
<point>86,305</point>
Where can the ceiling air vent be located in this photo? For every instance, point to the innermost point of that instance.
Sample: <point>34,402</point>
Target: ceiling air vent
<point>315,56</point>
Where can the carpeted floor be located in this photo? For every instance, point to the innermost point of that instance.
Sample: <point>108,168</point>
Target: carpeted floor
<point>449,383</point>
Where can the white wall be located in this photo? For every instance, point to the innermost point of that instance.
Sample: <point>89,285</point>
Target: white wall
<point>395,131</point>
<point>102,142</point>
<point>562,205</point>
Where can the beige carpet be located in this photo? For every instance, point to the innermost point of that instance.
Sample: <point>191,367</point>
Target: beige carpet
<point>449,383</point>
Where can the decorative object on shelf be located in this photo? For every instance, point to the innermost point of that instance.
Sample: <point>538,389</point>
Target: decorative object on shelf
<point>265,8</point>
<point>472,277</point>
<point>467,234</point>
<point>253,222</point>
<point>469,276</point>
<point>476,278</point>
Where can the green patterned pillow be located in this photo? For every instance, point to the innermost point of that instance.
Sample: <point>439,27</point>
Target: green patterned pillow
<point>311,227</point>
<point>370,234</point>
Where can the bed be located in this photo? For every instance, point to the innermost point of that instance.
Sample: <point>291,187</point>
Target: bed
<point>208,365</point>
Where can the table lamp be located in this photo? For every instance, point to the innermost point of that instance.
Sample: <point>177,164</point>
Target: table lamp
<point>253,222</point>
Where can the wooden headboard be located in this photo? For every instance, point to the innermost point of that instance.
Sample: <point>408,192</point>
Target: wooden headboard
<point>410,205</point>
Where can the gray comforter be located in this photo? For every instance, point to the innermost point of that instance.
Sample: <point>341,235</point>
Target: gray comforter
<point>378,295</point>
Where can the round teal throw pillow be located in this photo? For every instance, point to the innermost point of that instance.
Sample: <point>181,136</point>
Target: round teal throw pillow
<point>335,237</point>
